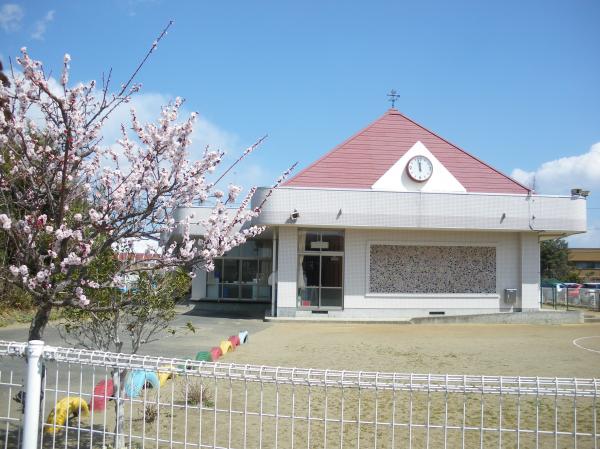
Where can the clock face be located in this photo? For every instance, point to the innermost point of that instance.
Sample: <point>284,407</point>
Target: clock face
<point>419,168</point>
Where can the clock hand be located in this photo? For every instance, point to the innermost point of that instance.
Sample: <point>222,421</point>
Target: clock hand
<point>419,162</point>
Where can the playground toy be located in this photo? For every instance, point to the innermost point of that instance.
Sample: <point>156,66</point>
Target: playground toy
<point>203,356</point>
<point>136,380</point>
<point>226,346</point>
<point>65,408</point>
<point>215,353</point>
<point>243,337</point>
<point>103,392</point>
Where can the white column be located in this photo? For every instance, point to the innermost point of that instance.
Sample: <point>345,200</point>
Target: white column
<point>287,273</point>
<point>530,271</point>
<point>199,285</point>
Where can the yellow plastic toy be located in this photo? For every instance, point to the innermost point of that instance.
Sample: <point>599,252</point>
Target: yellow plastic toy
<point>66,407</point>
<point>164,376</point>
<point>226,346</point>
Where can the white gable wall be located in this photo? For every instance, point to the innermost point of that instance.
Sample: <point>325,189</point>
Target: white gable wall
<point>397,180</point>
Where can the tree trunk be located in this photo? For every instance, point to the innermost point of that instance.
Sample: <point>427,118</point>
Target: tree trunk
<point>39,321</point>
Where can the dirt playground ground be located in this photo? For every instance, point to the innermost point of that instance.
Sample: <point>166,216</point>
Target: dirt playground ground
<point>243,414</point>
<point>526,350</point>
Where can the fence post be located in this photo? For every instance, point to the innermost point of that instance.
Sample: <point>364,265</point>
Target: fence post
<point>33,389</point>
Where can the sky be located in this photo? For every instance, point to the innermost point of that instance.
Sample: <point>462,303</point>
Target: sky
<point>516,83</point>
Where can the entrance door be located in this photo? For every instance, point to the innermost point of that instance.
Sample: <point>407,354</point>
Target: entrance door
<point>320,270</point>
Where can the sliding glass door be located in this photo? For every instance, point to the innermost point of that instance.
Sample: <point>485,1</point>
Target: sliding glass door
<point>320,269</point>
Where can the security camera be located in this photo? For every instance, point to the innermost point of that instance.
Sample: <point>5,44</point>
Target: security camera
<point>294,215</point>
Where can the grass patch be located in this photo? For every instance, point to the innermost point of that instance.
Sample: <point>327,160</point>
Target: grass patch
<point>10,316</point>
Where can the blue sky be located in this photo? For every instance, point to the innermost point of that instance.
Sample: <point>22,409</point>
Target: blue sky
<point>517,83</point>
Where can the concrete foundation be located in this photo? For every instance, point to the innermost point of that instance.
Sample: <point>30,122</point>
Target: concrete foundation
<point>536,317</point>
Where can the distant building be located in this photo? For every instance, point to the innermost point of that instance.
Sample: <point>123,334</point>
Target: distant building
<point>586,262</point>
<point>394,222</point>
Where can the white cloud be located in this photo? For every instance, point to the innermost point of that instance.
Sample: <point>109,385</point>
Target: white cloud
<point>11,15</point>
<point>40,26</point>
<point>148,107</point>
<point>561,175</point>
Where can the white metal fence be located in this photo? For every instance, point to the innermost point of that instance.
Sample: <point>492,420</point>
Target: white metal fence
<point>214,405</point>
<point>586,298</point>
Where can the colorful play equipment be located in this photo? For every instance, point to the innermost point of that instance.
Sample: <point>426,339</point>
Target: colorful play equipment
<point>103,392</point>
<point>136,380</point>
<point>215,353</point>
<point>226,346</point>
<point>243,337</point>
<point>163,377</point>
<point>165,374</point>
<point>203,356</point>
<point>65,408</point>
<point>235,340</point>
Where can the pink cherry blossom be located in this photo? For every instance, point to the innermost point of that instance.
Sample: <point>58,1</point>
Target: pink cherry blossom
<point>130,188</point>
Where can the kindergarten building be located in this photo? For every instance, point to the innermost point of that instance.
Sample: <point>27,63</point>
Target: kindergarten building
<point>394,222</point>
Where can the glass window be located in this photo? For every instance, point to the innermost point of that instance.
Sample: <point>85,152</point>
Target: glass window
<point>264,248</point>
<point>233,252</point>
<point>214,277</point>
<point>331,297</point>
<point>248,249</point>
<point>331,271</point>
<point>264,292</point>
<point>249,270</point>
<point>231,291</point>
<point>334,240</point>
<point>310,241</point>
<point>308,297</point>
<point>311,266</point>
<point>248,291</point>
<point>266,268</point>
<point>242,273</point>
<point>230,271</point>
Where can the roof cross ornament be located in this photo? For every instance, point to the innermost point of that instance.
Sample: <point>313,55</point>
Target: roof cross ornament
<point>393,97</point>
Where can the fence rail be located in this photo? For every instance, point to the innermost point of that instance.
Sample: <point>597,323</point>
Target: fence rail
<point>190,404</point>
<point>586,298</point>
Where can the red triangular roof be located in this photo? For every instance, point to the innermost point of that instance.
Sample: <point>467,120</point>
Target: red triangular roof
<point>361,160</point>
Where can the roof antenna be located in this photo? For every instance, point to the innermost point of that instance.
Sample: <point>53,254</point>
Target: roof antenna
<point>393,97</point>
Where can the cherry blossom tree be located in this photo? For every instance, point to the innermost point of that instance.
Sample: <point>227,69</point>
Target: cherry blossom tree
<point>66,196</point>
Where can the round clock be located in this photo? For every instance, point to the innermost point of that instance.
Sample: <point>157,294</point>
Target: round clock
<point>419,168</point>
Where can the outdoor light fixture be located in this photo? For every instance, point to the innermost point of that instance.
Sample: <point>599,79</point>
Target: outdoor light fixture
<point>294,215</point>
<point>580,192</point>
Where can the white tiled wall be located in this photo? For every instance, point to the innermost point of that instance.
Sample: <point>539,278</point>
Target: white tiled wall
<point>514,251</point>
